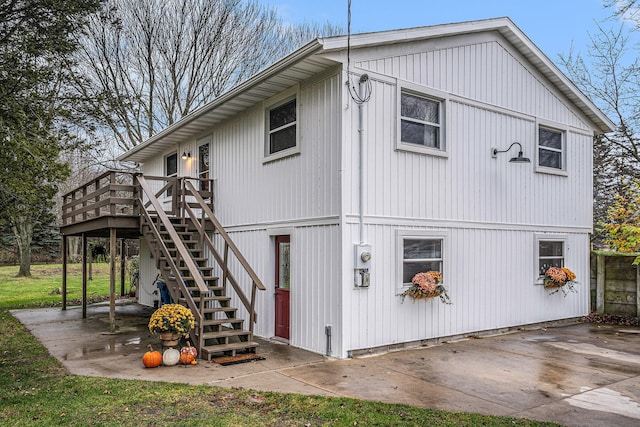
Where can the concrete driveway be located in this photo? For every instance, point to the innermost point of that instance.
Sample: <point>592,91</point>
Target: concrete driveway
<point>577,375</point>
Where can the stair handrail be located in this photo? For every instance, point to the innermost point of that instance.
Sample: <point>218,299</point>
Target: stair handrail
<point>257,283</point>
<point>180,247</point>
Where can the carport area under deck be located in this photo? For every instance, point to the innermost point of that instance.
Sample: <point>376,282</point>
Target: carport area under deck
<point>116,228</point>
<point>105,207</point>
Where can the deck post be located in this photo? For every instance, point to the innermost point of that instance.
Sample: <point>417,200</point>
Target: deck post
<point>64,272</point>
<point>112,279</point>
<point>84,276</point>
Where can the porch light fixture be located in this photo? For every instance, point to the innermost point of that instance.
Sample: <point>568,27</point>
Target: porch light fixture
<point>185,156</point>
<point>520,159</point>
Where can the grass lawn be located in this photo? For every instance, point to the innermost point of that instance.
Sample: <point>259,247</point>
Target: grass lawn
<point>36,390</point>
<point>40,289</point>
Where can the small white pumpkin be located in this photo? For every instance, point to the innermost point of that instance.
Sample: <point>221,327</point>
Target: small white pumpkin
<point>170,357</point>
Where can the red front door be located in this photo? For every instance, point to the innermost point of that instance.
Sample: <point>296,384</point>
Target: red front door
<point>283,245</point>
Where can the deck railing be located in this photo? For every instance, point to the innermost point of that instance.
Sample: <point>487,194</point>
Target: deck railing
<point>206,216</point>
<point>113,193</point>
<point>117,193</point>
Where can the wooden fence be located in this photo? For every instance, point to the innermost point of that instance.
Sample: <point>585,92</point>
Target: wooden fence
<point>615,283</point>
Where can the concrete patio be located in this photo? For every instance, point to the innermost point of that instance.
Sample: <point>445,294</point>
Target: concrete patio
<point>577,375</point>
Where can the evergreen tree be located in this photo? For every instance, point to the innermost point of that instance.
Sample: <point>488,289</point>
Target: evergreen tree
<point>38,117</point>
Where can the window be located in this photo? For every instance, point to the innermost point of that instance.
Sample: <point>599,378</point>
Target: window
<point>203,166</point>
<point>282,132</point>
<point>551,148</point>
<point>419,256</point>
<point>171,168</point>
<point>550,254</point>
<point>420,120</point>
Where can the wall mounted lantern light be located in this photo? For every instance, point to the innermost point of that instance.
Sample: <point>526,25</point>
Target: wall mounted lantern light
<point>185,156</point>
<point>520,159</point>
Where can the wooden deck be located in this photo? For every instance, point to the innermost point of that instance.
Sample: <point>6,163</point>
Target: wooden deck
<point>103,204</point>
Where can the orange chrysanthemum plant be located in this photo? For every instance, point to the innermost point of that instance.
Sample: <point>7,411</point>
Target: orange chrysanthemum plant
<point>560,279</point>
<point>427,285</point>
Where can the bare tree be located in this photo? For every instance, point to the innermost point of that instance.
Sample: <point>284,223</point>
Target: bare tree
<point>610,76</point>
<point>151,62</point>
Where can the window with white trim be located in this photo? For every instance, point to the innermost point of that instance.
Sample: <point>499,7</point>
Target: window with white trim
<point>421,119</point>
<point>550,254</point>
<point>420,255</point>
<point>549,250</point>
<point>171,168</point>
<point>282,121</point>
<point>551,148</point>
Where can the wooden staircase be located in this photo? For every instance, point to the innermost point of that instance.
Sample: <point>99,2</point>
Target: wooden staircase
<point>180,243</point>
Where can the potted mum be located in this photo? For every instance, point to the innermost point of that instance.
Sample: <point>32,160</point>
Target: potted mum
<point>171,321</point>
<point>559,278</point>
<point>427,285</point>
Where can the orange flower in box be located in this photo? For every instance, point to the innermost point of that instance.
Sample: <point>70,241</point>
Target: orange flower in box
<point>559,278</point>
<point>427,285</point>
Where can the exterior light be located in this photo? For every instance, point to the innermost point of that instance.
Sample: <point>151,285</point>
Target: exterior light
<point>520,159</point>
<point>185,156</point>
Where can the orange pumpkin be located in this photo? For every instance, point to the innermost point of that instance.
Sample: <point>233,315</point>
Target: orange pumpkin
<point>152,359</point>
<point>188,354</point>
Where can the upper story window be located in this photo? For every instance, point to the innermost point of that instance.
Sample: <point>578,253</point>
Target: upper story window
<point>171,165</point>
<point>203,166</point>
<point>171,168</point>
<point>551,148</point>
<point>421,119</point>
<point>282,127</point>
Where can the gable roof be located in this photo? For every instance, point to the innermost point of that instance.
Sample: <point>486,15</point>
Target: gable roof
<point>307,61</point>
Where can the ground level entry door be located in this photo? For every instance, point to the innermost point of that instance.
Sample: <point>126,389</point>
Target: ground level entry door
<point>283,245</point>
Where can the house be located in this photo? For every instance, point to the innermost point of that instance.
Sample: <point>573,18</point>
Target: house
<point>355,162</point>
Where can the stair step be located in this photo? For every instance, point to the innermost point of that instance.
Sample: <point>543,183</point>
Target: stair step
<point>216,322</point>
<point>195,288</point>
<point>177,227</point>
<point>213,349</point>
<point>168,241</point>
<point>209,298</point>
<point>207,310</point>
<point>196,259</point>
<point>225,334</point>
<point>185,272</point>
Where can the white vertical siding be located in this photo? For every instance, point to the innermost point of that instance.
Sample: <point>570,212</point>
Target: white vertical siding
<point>302,186</point>
<point>148,273</point>
<point>486,69</point>
<point>469,185</point>
<point>252,196</point>
<point>490,275</point>
<point>315,295</point>
<point>490,209</point>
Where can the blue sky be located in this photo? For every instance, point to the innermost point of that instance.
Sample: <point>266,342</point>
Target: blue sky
<point>551,24</point>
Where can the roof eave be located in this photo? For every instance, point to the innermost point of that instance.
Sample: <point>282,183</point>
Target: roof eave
<point>301,53</point>
<point>507,29</point>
